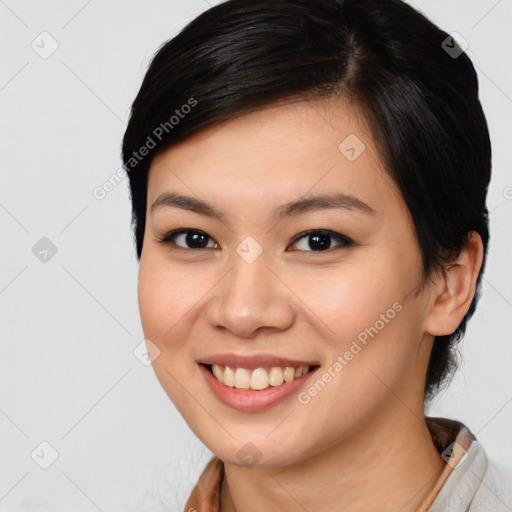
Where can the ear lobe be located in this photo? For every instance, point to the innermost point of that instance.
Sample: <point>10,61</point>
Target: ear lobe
<point>455,289</point>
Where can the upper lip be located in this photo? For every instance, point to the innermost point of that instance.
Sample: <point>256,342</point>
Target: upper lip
<point>253,361</point>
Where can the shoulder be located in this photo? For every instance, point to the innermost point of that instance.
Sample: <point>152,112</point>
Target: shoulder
<point>494,492</point>
<point>476,484</point>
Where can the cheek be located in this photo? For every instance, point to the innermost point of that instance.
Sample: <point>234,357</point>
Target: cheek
<point>376,334</point>
<point>166,295</point>
<point>166,298</point>
<point>346,300</point>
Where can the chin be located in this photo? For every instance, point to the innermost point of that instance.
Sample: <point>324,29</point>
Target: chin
<point>253,451</point>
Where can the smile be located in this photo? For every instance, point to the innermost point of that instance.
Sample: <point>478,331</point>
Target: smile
<point>255,383</point>
<point>257,378</point>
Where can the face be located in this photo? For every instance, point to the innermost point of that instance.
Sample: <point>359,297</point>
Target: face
<point>294,253</point>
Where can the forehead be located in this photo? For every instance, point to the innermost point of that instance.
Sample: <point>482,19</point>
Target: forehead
<point>283,151</point>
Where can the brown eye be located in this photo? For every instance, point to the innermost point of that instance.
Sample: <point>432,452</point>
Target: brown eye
<point>321,240</point>
<point>188,239</point>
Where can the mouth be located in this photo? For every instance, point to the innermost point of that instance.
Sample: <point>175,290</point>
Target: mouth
<point>255,383</point>
<point>260,378</point>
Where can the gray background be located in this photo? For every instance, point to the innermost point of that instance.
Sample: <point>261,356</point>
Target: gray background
<point>69,323</point>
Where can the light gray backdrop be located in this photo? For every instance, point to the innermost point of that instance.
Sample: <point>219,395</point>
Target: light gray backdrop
<point>69,379</point>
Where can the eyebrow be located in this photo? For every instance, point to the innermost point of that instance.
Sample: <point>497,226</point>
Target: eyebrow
<point>301,206</point>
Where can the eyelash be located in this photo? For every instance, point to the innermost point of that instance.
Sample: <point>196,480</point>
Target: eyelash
<point>342,239</point>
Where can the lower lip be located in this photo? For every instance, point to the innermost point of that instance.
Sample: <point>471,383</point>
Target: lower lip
<point>250,400</point>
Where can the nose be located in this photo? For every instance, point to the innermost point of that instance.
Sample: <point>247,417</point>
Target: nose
<point>251,299</point>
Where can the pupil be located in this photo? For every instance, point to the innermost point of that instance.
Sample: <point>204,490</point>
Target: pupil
<point>321,241</point>
<point>196,239</point>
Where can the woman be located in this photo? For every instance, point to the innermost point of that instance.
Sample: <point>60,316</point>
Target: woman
<point>309,183</point>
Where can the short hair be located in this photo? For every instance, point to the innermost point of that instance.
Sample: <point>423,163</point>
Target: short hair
<point>416,87</point>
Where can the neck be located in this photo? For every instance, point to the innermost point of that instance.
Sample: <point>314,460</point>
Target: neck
<point>389,465</point>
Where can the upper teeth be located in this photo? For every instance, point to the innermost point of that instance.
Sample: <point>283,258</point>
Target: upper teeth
<point>260,378</point>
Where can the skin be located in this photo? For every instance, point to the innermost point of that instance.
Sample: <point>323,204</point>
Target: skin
<point>361,443</point>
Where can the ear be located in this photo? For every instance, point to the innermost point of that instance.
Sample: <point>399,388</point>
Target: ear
<point>454,291</point>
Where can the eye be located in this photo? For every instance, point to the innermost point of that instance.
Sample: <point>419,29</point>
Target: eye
<point>190,238</point>
<point>316,240</point>
<point>319,240</point>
